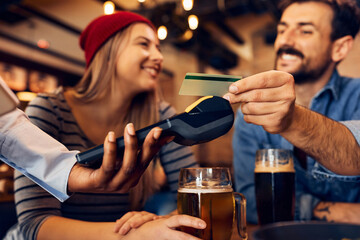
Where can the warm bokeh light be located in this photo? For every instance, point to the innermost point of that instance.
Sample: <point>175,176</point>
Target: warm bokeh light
<point>109,7</point>
<point>187,4</point>
<point>42,43</point>
<point>162,32</point>
<point>193,22</point>
<point>188,34</point>
<point>141,1</point>
<point>26,96</point>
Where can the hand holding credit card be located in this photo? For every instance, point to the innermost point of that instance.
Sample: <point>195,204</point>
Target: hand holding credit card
<point>202,84</point>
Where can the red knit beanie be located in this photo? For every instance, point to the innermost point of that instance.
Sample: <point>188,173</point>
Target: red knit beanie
<point>103,27</point>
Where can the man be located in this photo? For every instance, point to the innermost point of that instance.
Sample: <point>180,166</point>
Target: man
<point>313,37</point>
<point>328,141</point>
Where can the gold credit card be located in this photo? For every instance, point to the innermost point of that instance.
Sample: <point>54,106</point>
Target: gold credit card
<point>202,84</point>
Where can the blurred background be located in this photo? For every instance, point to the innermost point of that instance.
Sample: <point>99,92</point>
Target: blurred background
<point>39,46</point>
<point>39,51</point>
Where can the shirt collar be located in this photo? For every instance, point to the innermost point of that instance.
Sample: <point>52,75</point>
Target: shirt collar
<point>333,86</point>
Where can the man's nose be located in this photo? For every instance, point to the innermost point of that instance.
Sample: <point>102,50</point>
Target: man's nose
<point>288,37</point>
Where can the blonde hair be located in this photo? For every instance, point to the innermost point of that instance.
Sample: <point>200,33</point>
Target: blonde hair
<point>99,81</point>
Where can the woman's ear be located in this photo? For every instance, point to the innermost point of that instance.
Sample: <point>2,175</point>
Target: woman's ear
<point>341,48</point>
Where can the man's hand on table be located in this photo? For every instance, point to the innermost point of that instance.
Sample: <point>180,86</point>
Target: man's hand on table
<point>338,212</point>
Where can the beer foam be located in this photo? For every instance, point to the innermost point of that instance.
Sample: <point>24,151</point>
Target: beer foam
<point>204,190</point>
<point>274,169</point>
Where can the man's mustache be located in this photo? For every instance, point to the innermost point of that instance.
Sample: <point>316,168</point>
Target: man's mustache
<point>289,50</point>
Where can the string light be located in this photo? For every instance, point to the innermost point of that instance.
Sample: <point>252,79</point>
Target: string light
<point>187,4</point>
<point>193,22</point>
<point>42,43</point>
<point>162,32</point>
<point>109,7</point>
<point>187,35</point>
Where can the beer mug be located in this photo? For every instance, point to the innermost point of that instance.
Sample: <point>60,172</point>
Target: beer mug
<point>207,193</point>
<point>274,185</point>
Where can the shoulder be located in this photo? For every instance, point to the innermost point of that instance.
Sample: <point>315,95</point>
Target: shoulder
<point>48,111</point>
<point>349,89</point>
<point>48,102</point>
<point>43,105</point>
<point>348,82</point>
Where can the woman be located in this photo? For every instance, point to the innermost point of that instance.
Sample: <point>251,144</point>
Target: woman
<point>118,90</point>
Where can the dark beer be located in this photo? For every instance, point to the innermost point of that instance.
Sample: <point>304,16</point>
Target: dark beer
<point>215,206</point>
<point>275,196</point>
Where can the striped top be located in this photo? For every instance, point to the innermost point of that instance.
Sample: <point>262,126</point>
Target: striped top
<point>53,115</point>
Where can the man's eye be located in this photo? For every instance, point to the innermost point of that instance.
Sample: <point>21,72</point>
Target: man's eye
<point>306,32</point>
<point>281,30</point>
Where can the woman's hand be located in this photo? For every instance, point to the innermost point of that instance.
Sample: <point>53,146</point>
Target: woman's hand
<point>118,175</point>
<point>165,228</point>
<point>133,220</point>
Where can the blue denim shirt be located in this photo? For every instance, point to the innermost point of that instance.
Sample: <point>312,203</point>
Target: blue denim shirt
<point>339,100</point>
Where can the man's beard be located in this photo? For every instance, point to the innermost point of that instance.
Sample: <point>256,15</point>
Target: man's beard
<point>306,73</point>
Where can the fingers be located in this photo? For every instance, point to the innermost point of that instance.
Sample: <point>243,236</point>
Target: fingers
<point>151,143</point>
<point>125,177</point>
<point>171,223</point>
<point>267,99</point>
<point>274,123</point>
<point>109,158</point>
<point>108,165</point>
<point>263,87</point>
<point>133,220</point>
<point>151,146</point>
<point>131,150</point>
<point>139,220</point>
<point>269,79</point>
<point>185,220</point>
<point>134,161</point>
<point>264,108</point>
<point>120,222</point>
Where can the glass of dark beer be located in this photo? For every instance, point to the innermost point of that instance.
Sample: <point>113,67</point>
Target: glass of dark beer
<point>207,193</point>
<point>274,185</point>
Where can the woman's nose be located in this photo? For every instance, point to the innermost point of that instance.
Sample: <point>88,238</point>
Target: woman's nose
<point>156,55</point>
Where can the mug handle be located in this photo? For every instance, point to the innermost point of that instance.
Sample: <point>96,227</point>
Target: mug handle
<point>240,211</point>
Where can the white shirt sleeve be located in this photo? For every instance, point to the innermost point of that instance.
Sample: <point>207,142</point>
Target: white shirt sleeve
<point>354,127</point>
<point>38,156</point>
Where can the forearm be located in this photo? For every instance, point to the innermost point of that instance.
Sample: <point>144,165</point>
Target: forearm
<point>46,161</point>
<point>338,212</point>
<point>327,141</point>
<point>63,228</point>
